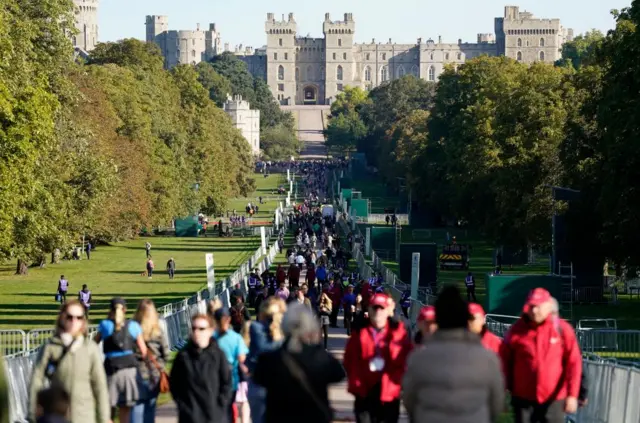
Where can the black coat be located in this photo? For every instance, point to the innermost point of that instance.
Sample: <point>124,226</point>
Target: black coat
<point>201,384</point>
<point>287,400</point>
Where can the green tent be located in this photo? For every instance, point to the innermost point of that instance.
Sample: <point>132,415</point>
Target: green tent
<point>188,227</point>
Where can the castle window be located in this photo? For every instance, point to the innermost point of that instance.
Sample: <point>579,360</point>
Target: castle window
<point>339,42</point>
<point>309,73</point>
<point>446,56</point>
<point>541,42</point>
<point>432,73</point>
<point>414,71</point>
<point>340,87</point>
<point>193,53</point>
<point>334,56</point>
<point>527,43</point>
<point>280,42</point>
<point>368,56</point>
<point>280,87</point>
<point>459,56</point>
<point>401,72</point>
<point>286,56</point>
<point>339,73</point>
<point>519,42</point>
<point>281,73</point>
<point>321,76</point>
<point>542,56</point>
<point>367,73</point>
<point>519,56</point>
<point>384,74</point>
<point>297,74</point>
<point>275,56</point>
<point>344,56</point>
<point>384,56</point>
<point>431,56</point>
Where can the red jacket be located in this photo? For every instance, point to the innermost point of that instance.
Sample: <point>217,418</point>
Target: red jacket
<point>491,342</point>
<point>395,347</point>
<point>335,295</point>
<point>311,275</point>
<point>542,363</point>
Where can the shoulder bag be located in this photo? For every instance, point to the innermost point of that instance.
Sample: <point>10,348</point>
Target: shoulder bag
<point>163,383</point>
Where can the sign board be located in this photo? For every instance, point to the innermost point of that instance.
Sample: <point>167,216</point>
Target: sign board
<point>415,274</point>
<point>263,236</point>
<point>211,281</point>
<point>367,245</point>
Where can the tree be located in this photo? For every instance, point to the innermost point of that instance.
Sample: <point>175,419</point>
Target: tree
<point>279,143</point>
<point>218,86</point>
<point>352,99</point>
<point>581,51</point>
<point>344,131</point>
<point>129,52</point>
<point>235,70</point>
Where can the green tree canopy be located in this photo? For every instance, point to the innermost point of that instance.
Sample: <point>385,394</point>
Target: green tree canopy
<point>581,51</point>
<point>279,143</point>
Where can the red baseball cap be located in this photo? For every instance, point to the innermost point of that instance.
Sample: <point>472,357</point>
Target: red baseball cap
<point>536,297</point>
<point>427,314</point>
<point>380,300</point>
<point>475,309</point>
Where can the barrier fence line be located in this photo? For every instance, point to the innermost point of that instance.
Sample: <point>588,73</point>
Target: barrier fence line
<point>612,385</point>
<point>21,349</point>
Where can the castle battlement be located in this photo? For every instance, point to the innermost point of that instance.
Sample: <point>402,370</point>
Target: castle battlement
<point>86,24</point>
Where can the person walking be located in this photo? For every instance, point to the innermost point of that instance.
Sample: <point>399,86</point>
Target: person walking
<point>239,315</point>
<point>84,296</point>
<point>542,363</point>
<point>201,377</point>
<point>349,306</point>
<point>171,268</point>
<point>453,378</point>
<point>150,267</point>
<point>301,370</point>
<point>375,360</point>
<point>147,247</point>
<point>470,283</point>
<point>265,335</point>
<point>71,360</point>
<point>234,349</point>
<point>120,336</point>
<point>325,306</point>
<point>427,324</point>
<point>63,287</point>
<point>478,325</point>
<point>88,249</point>
<point>282,292</point>
<point>151,367</point>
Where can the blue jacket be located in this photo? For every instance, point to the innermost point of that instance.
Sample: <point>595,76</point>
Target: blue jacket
<point>260,342</point>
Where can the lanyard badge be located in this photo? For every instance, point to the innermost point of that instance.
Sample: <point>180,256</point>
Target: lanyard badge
<point>376,364</point>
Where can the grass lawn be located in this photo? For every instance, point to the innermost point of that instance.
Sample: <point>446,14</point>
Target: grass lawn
<point>268,189</point>
<point>27,301</point>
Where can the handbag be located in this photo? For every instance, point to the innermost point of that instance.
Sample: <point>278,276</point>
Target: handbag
<point>163,383</point>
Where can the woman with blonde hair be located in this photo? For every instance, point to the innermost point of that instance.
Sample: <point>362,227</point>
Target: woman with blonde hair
<point>120,336</point>
<point>265,335</point>
<point>151,367</point>
<point>71,360</point>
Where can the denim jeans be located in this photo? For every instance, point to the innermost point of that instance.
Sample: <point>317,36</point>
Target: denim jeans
<point>257,396</point>
<point>144,412</point>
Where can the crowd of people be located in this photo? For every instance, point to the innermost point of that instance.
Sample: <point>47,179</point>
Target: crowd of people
<point>277,368</point>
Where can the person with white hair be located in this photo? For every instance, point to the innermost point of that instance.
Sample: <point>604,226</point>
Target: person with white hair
<point>297,375</point>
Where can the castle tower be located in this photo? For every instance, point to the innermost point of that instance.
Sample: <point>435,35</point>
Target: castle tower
<point>86,24</point>
<point>156,25</point>
<point>281,57</point>
<point>527,39</point>
<point>340,63</point>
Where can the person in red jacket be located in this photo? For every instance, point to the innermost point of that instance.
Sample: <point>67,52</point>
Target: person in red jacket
<point>478,325</point>
<point>426,324</point>
<point>542,363</point>
<point>375,360</point>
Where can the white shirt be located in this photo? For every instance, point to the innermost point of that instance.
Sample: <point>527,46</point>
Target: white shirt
<point>300,260</point>
<point>292,259</point>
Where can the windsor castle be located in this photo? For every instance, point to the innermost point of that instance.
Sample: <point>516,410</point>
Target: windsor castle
<point>308,71</point>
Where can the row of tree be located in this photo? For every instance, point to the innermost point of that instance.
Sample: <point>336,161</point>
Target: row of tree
<point>110,146</point>
<point>485,144</point>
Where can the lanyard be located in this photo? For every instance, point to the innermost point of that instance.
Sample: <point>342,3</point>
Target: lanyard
<point>376,337</point>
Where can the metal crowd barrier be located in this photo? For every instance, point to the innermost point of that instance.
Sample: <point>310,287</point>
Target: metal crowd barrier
<point>20,349</point>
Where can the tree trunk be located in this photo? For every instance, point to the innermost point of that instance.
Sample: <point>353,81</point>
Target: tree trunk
<point>22,268</point>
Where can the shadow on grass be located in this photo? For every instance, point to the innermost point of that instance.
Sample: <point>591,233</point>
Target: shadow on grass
<point>192,250</point>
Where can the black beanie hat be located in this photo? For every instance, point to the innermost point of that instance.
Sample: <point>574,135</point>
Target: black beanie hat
<point>451,310</point>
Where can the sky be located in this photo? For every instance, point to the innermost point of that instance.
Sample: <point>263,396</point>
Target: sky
<point>242,22</point>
